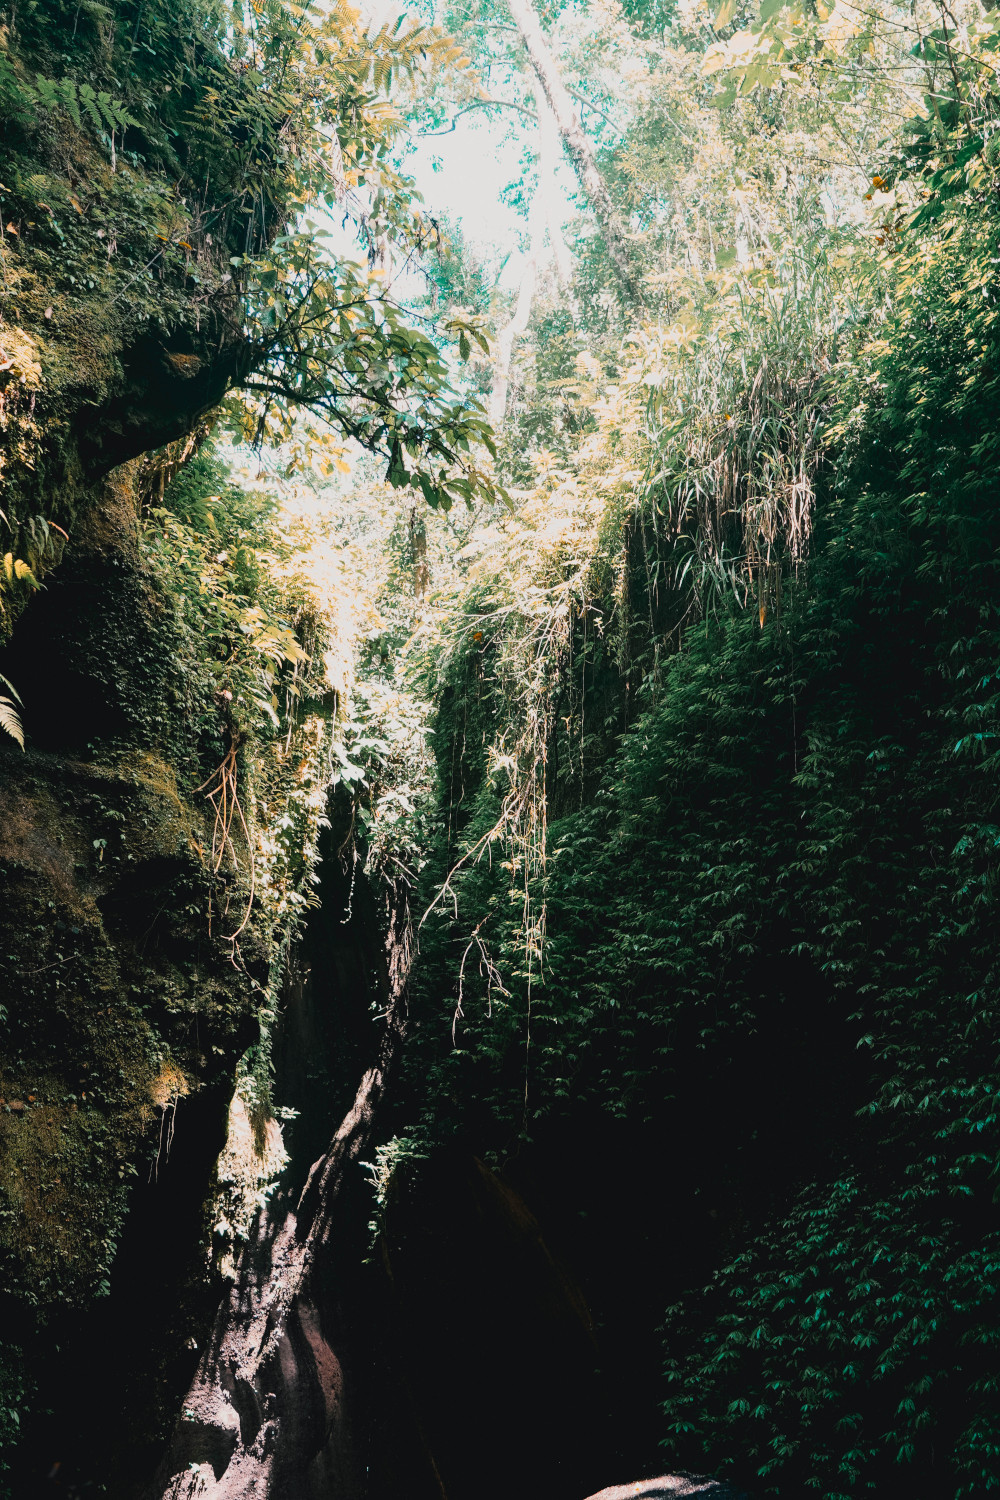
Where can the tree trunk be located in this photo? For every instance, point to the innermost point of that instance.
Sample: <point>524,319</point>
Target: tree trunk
<point>542,218</point>
<point>515,329</point>
<point>578,149</point>
<point>268,1414</point>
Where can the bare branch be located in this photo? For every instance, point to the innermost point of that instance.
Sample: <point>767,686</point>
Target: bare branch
<point>482,104</point>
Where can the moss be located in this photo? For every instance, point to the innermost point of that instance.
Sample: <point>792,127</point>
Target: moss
<point>115,324</point>
<point>107,963</point>
<point>112,980</point>
<point>120,994</point>
<point>248,1169</point>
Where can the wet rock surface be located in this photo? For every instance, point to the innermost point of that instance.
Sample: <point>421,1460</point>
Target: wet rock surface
<point>671,1487</point>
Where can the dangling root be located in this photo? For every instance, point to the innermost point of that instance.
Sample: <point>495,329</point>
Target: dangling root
<point>221,791</point>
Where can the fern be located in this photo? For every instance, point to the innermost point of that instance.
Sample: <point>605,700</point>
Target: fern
<point>11,90</point>
<point>81,102</point>
<point>17,570</point>
<point>402,55</point>
<point>10,719</point>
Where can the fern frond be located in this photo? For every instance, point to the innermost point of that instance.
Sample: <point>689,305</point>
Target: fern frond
<point>67,93</point>
<point>10,719</point>
<point>88,99</point>
<point>115,114</point>
<point>81,101</point>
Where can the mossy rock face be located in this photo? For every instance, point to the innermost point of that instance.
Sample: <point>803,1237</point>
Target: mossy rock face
<point>126,1001</point>
<point>118,1003</point>
<point>120,329</point>
<point>124,1008</point>
<point>120,994</point>
<point>95,658</point>
<point>137,983</point>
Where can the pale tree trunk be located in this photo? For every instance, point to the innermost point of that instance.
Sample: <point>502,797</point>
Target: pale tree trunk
<point>511,332</point>
<point>269,1414</point>
<point>579,149</point>
<point>549,154</point>
<point>542,219</point>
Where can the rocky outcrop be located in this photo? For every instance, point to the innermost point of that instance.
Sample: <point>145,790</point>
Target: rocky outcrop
<point>671,1487</point>
<point>123,1016</point>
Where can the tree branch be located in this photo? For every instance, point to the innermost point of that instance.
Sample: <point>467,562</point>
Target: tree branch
<point>579,149</point>
<point>482,104</point>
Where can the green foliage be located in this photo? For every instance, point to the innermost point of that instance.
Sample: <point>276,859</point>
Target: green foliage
<point>205,539</point>
<point>207,648</point>
<point>716,805</point>
<point>548,412</point>
<point>79,100</point>
<point>779,888</point>
<point>329,343</point>
<point>455,275</point>
<point>155,188</point>
<point>13,1391</point>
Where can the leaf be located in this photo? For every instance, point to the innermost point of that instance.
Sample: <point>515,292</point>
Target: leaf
<point>88,99</point>
<point>430,493</point>
<point>397,473</point>
<point>725,14</point>
<point>67,90</point>
<point>10,719</point>
<point>715,59</point>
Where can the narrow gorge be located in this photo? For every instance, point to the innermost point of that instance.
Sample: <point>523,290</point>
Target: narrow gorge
<point>499,801</point>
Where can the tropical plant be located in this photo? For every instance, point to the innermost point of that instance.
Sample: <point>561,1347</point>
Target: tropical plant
<point>10,719</point>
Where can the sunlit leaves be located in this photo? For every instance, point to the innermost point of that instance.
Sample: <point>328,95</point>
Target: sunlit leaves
<point>10,719</point>
<point>788,873</point>
<point>265,120</point>
<point>331,340</point>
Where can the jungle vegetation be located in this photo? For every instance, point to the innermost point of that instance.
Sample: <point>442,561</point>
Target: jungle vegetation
<point>672,696</point>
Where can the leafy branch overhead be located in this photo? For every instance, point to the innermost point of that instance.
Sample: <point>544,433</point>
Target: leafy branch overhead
<point>288,111</point>
<point>320,332</point>
<point>327,336</point>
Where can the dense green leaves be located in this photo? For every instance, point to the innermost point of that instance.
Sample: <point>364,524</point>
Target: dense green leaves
<point>780,894</point>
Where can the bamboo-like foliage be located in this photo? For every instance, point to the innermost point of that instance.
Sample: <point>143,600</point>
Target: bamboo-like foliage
<point>735,418</point>
<point>707,451</point>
